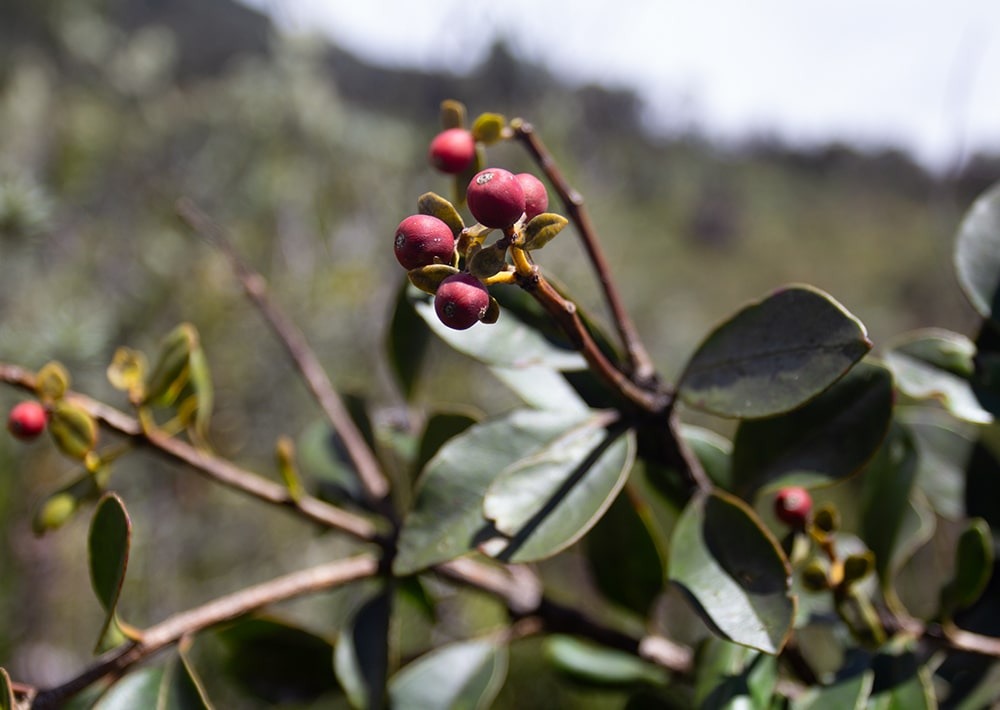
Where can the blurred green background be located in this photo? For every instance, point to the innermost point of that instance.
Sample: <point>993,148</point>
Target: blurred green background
<point>110,111</point>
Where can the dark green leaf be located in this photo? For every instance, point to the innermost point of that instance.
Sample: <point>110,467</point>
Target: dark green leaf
<point>849,693</point>
<point>447,516</point>
<point>973,567</point>
<point>544,503</point>
<point>944,446</point>
<point>362,654</point>
<point>457,676</point>
<point>276,662</point>
<point>487,261</point>
<point>713,451</point>
<point>592,664</point>
<point>733,571</point>
<point>732,676</point>
<point>441,427</point>
<point>108,547</point>
<point>901,683</point>
<point>139,689</point>
<point>937,364</point>
<point>625,560</point>
<point>977,253</point>
<point>774,355</point>
<point>184,690</point>
<point>829,438</point>
<point>406,341</point>
<point>7,701</point>
<point>540,387</point>
<point>322,456</point>
<point>986,376</point>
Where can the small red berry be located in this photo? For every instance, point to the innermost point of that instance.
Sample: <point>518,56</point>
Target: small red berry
<point>536,198</point>
<point>461,301</point>
<point>421,240</point>
<point>496,198</point>
<point>452,150</point>
<point>27,420</point>
<point>792,505</point>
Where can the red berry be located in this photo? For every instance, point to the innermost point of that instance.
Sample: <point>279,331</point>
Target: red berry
<point>452,150</point>
<point>421,240</point>
<point>792,505</point>
<point>496,198</point>
<point>27,420</point>
<point>461,301</point>
<point>536,198</point>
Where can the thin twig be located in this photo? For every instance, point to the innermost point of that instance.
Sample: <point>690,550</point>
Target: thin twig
<point>642,369</point>
<point>219,611</point>
<point>365,463</point>
<point>213,467</point>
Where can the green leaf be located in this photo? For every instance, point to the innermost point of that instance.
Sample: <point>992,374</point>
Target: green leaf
<point>508,343</point>
<point>59,506</point>
<point>432,204</point>
<point>774,355</point>
<point>829,438</point>
<point>487,261</point>
<point>361,658</point>
<point>540,387</point>
<point>406,342</point>
<point>849,693</point>
<point>977,253</point>
<point>73,429</point>
<point>732,676</point>
<point>944,446</point>
<point>108,547</point>
<point>276,662</point>
<point>625,561</point>
<point>139,689</point>
<point>973,568</point>
<point>713,451</point>
<point>542,229</point>
<point>488,128</point>
<point>440,428</point>
<point>457,676</point>
<point>185,690</point>
<point>447,516</point>
<point>544,503</point>
<point>7,701</point>
<point>733,571</point>
<point>590,663</point>
<point>901,683</point>
<point>937,364</point>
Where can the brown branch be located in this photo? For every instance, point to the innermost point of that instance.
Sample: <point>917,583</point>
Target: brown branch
<point>367,466</point>
<point>217,469</point>
<point>219,611</point>
<point>642,370</point>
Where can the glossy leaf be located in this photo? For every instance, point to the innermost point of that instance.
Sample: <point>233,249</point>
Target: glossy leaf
<point>542,229</point>
<point>829,438</point>
<point>540,387</point>
<point>108,547</point>
<point>277,662</point>
<point>457,676</point>
<point>361,658</point>
<point>901,682</point>
<point>428,278</point>
<point>440,428</point>
<point>139,689</point>
<point>406,342</point>
<point>713,451</point>
<point>733,572</point>
<point>732,676</point>
<point>508,343</point>
<point>543,504</point>
<point>625,561</point>
<point>977,253</point>
<point>937,364</point>
<point>849,693</point>
<point>774,355</point>
<point>7,701</point>
<point>447,516</point>
<point>944,446</point>
<point>973,567</point>
<point>432,204</point>
<point>590,663</point>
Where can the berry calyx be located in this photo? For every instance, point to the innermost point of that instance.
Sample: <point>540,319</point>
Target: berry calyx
<point>496,198</point>
<point>461,301</point>
<point>792,506</point>
<point>536,197</point>
<point>422,240</point>
<point>452,150</point>
<point>27,420</point>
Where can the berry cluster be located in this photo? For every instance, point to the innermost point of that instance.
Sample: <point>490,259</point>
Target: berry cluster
<point>451,261</point>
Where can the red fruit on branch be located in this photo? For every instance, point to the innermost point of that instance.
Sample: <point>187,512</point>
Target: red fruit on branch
<point>27,420</point>
<point>536,197</point>
<point>496,198</point>
<point>452,150</point>
<point>792,506</point>
<point>461,301</point>
<point>422,240</point>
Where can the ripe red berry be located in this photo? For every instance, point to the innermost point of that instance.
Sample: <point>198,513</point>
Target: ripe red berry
<point>792,506</point>
<point>461,301</point>
<point>452,150</point>
<point>421,240</point>
<point>536,198</point>
<point>496,198</point>
<point>27,420</point>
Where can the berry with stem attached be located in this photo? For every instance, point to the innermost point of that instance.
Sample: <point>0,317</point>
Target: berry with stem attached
<point>536,197</point>
<point>27,420</point>
<point>496,198</point>
<point>452,151</point>
<point>792,506</point>
<point>422,240</point>
<point>461,301</point>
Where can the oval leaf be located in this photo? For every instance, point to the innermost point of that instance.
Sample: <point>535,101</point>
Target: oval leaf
<point>140,689</point>
<point>488,128</point>
<point>361,659</point>
<point>432,204</point>
<point>829,438</point>
<point>774,355</point>
<point>468,674</point>
<point>546,502</point>
<point>849,693</point>
<point>977,253</point>
<point>733,571</point>
<point>406,342</point>
<point>540,387</point>
<point>108,548</point>
<point>973,567</point>
<point>599,665</point>
<point>542,229</point>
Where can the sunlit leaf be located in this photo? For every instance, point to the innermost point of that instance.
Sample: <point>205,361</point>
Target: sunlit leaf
<point>944,445</point>
<point>732,676</point>
<point>774,355</point>
<point>540,387</point>
<point>457,676</point>
<point>977,253</point>
<point>590,663</point>
<point>849,693</point>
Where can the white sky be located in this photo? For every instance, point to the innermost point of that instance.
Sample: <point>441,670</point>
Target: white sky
<point>919,74</point>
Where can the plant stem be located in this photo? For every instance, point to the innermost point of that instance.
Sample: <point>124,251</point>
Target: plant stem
<point>365,463</point>
<point>641,365</point>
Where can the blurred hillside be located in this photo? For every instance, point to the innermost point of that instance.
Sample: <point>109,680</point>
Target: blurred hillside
<point>110,110</point>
